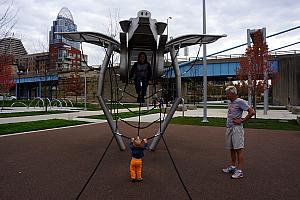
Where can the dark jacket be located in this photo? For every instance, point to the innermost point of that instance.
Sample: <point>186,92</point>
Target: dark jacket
<point>137,152</point>
<point>141,74</point>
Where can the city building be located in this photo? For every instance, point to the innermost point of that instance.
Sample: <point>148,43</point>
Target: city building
<point>12,46</point>
<point>64,55</point>
<point>44,75</point>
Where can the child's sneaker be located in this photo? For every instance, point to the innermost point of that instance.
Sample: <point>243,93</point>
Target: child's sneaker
<point>231,169</point>
<point>237,174</point>
<point>132,180</point>
<point>139,179</point>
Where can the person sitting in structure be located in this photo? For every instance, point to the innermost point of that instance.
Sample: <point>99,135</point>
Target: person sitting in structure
<point>137,153</point>
<point>141,73</point>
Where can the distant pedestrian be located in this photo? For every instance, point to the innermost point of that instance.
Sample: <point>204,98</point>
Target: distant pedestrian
<point>234,136</point>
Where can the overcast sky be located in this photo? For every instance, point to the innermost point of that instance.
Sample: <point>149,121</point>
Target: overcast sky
<point>230,17</point>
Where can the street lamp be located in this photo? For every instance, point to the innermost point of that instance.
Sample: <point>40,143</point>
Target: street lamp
<point>85,89</point>
<point>168,34</point>
<point>204,69</point>
<point>168,25</point>
<point>19,72</point>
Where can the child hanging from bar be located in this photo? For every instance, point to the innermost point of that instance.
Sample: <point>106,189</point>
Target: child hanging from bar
<point>137,147</point>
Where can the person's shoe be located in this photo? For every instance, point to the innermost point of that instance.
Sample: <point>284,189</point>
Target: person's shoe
<point>237,174</point>
<point>132,180</point>
<point>230,169</point>
<point>139,179</point>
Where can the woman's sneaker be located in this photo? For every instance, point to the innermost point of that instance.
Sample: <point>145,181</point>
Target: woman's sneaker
<point>231,169</point>
<point>237,174</point>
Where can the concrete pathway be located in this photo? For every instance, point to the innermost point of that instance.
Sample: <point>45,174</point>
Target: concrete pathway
<point>272,114</point>
<point>76,115</point>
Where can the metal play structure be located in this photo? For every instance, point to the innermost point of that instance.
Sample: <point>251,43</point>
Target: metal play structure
<point>140,34</point>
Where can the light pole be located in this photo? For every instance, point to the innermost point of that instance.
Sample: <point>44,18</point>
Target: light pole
<point>205,69</point>
<point>168,35</point>
<point>45,88</point>
<point>168,25</point>
<point>85,95</point>
<point>19,84</point>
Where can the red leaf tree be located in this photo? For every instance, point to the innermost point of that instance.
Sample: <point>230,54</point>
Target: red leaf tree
<point>6,75</point>
<point>74,86</point>
<point>254,65</point>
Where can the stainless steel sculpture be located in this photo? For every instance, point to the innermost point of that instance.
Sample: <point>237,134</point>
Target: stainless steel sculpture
<point>141,34</point>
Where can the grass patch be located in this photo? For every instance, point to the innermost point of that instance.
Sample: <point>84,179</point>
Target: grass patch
<point>226,107</point>
<point>95,107</point>
<point>118,106</point>
<point>273,124</point>
<point>36,125</point>
<point>124,115</point>
<point>9,103</point>
<point>21,114</point>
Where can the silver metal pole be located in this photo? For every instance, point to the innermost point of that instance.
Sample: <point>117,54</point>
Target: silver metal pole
<point>85,89</point>
<point>101,100</point>
<point>177,101</point>
<point>249,76</point>
<point>168,36</point>
<point>204,69</point>
<point>148,100</point>
<point>266,90</point>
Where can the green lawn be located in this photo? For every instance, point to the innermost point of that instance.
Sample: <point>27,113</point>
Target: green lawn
<point>124,115</point>
<point>274,124</point>
<point>95,107</point>
<point>9,103</point>
<point>20,114</point>
<point>221,106</point>
<point>36,125</point>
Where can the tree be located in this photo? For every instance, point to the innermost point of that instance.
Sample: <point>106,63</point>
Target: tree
<point>242,87</point>
<point>7,22</point>
<point>113,29</point>
<point>6,76</point>
<point>254,65</point>
<point>74,86</point>
<point>7,18</point>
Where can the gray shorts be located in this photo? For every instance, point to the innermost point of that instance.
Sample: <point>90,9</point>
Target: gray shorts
<point>234,137</point>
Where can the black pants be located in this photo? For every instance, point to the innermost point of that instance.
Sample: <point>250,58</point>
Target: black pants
<point>141,89</point>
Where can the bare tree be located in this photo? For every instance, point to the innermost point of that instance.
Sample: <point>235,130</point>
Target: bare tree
<point>113,28</point>
<point>7,18</point>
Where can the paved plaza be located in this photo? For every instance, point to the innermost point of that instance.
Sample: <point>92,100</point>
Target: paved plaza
<point>56,164</point>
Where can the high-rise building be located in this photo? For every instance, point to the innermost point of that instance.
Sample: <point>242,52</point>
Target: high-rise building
<point>12,46</point>
<point>64,55</point>
<point>64,23</point>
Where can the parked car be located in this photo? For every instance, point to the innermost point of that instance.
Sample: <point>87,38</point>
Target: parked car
<point>8,98</point>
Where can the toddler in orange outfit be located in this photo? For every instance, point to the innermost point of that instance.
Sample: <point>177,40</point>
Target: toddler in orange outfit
<point>137,147</point>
